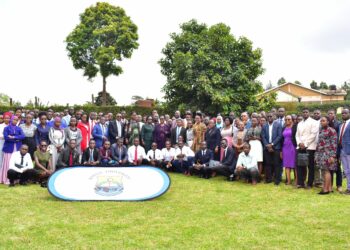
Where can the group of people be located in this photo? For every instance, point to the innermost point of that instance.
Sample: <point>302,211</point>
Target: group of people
<point>253,147</point>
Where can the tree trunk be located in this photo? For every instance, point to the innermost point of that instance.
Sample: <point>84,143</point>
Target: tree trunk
<point>104,95</point>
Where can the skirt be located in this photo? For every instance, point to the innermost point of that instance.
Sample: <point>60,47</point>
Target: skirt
<point>256,149</point>
<point>1,153</point>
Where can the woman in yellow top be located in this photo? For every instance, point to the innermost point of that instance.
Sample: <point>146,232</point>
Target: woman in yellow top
<point>199,130</point>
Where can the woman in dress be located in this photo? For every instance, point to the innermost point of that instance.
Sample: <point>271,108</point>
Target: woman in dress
<point>189,133</point>
<point>199,130</point>
<point>6,122</point>
<point>147,134</point>
<point>42,131</point>
<point>29,130</point>
<point>134,131</point>
<point>43,163</point>
<point>253,137</point>
<point>13,136</point>
<point>85,129</point>
<point>57,140</point>
<point>326,153</point>
<point>238,138</point>
<point>227,133</point>
<point>289,145</point>
<point>73,133</point>
<point>161,133</point>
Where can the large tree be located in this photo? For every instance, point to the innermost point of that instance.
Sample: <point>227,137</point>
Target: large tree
<point>207,68</point>
<point>281,81</point>
<point>314,85</point>
<point>104,36</point>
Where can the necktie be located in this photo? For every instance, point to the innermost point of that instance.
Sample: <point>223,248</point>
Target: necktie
<point>202,152</point>
<point>154,155</point>
<point>135,157</point>
<point>91,155</point>
<point>22,156</point>
<point>120,154</point>
<point>70,158</point>
<point>177,134</point>
<point>103,129</point>
<point>225,152</point>
<point>342,133</point>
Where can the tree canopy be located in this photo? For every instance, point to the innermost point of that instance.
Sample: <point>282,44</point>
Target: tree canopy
<point>104,36</point>
<point>281,81</point>
<point>99,100</point>
<point>207,68</point>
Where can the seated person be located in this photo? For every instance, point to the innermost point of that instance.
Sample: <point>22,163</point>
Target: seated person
<point>106,155</point>
<point>201,160</point>
<point>91,155</point>
<point>42,160</point>
<point>183,158</point>
<point>21,167</point>
<point>168,154</point>
<point>247,165</point>
<point>136,154</point>
<point>226,166</point>
<point>120,153</point>
<point>154,155</point>
<point>69,156</point>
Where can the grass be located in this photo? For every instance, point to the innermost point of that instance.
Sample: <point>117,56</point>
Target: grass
<point>194,213</point>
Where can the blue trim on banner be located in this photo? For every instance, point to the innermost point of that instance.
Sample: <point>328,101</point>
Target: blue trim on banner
<point>51,185</point>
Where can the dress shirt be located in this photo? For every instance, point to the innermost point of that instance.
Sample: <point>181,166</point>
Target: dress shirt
<point>119,126</point>
<point>184,150</point>
<point>16,158</point>
<point>141,154</point>
<point>270,132</point>
<point>154,155</point>
<point>168,155</point>
<point>247,161</point>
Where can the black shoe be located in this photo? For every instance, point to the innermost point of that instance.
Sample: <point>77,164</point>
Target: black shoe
<point>268,182</point>
<point>300,186</point>
<point>23,183</point>
<point>43,185</point>
<point>323,193</point>
<point>231,178</point>
<point>11,184</point>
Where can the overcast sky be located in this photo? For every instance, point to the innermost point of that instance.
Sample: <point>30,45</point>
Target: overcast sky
<point>301,40</point>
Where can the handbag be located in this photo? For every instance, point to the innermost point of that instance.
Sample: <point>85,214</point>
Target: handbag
<point>303,159</point>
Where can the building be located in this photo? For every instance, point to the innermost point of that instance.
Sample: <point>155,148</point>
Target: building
<point>148,103</point>
<point>291,92</point>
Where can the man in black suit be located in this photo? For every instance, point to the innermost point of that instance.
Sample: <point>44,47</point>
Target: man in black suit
<point>91,156</point>
<point>116,129</point>
<point>69,156</point>
<point>201,160</point>
<point>179,130</point>
<point>213,137</point>
<point>227,166</point>
<point>120,153</point>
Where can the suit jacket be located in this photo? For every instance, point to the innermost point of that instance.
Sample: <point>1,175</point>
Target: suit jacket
<point>10,143</point>
<point>113,131</point>
<point>230,159</point>
<point>213,137</point>
<point>97,133</point>
<point>86,155</point>
<point>276,135</point>
<point>294,131</point>
<point>345,145</point>
<point>63,158</point>
<point>203,159</point>
<point>173,135</point>
<point>115,153</point>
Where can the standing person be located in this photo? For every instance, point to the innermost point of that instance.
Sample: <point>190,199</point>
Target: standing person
<point>42,131</point>
<point>344,146</point>
<point>92,120</point>
<point>136,153</point>
<point>161,133</point>
<point>318,176</point>
<point>120,153</point>
<point>43,163</point>
<point>199,130</point>
<point>6,118</point>
<point>134,130</point>
<point>326,153</point>
<point>238,138</point>
<point>227,132</point>
<point>85,129</point>
<point>247,166</point>
<point>212,139</point>
<point>57,140</point>
<point>178,131</point>
<point>219,122</point>
<point>306,140</point>
<point>69,156</point>
<point>253,137</point>
<point>189,133</point>
<point>289,145</point>
<point>281,116</point>
<point>100,132</point>
<point>91,155</point>
<point>245,119</point>
<point>177,115</point>
<point>73,133</point>
<point>116,129</point>
<point>271,138</point>
<point>147,134</point>
<point>29,130</point>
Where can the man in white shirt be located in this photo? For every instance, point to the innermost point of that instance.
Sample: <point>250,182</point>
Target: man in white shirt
<point>183,158</point>
<point>168,154</point>
<point>136,154</point>
<point>306,138</point>
<point>247,165</point>
<point>154,155</point>
<point>21,167</point>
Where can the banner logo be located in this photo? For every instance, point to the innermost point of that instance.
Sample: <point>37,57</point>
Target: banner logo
<point>109,185</point>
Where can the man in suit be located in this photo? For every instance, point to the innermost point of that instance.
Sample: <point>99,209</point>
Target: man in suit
<point>281,116</point>
<point>227,166</point>
<point>179,130</point>
<point>69,156</point>
<point>120,153</point>
<point>116,129</point>
<point>91,156</point>
<point>344,146</point>
<point>271,136</point>
<point>306,138</point>
<point>201,160</point>
<point>213,137</point>
<point>100,132</point>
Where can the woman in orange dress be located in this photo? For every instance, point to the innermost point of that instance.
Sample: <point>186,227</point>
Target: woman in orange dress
<point>199,130</point>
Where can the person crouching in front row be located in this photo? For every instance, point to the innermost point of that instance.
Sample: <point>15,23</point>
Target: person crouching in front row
<point>247,165</point>
<point>106,155</point>
<point>21,167</point>
<point>136,154</point>
<point>201,160</point>
<point>183,158</point>
<point>43,163</point>
<point>69,156</point>
<point>120,153</point>
<point>91,155</point>
<point>154,156</point>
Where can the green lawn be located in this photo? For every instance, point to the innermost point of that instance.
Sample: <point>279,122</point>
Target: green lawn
<point>194,213</point>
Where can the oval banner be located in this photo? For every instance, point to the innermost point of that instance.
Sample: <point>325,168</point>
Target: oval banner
<point>82,183</point>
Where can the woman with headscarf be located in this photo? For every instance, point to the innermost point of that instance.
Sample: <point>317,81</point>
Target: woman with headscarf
<point>42,131</point>
<point>219,123</point>
<point>29,130</point>
<point>13,136</point>
<point>85,129</point>
<point>6,122</point>
<point>57,139</point>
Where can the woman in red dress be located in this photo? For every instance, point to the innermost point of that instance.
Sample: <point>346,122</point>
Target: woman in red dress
<point>85,129</point>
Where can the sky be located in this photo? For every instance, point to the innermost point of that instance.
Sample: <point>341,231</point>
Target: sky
<point>301,40</point>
